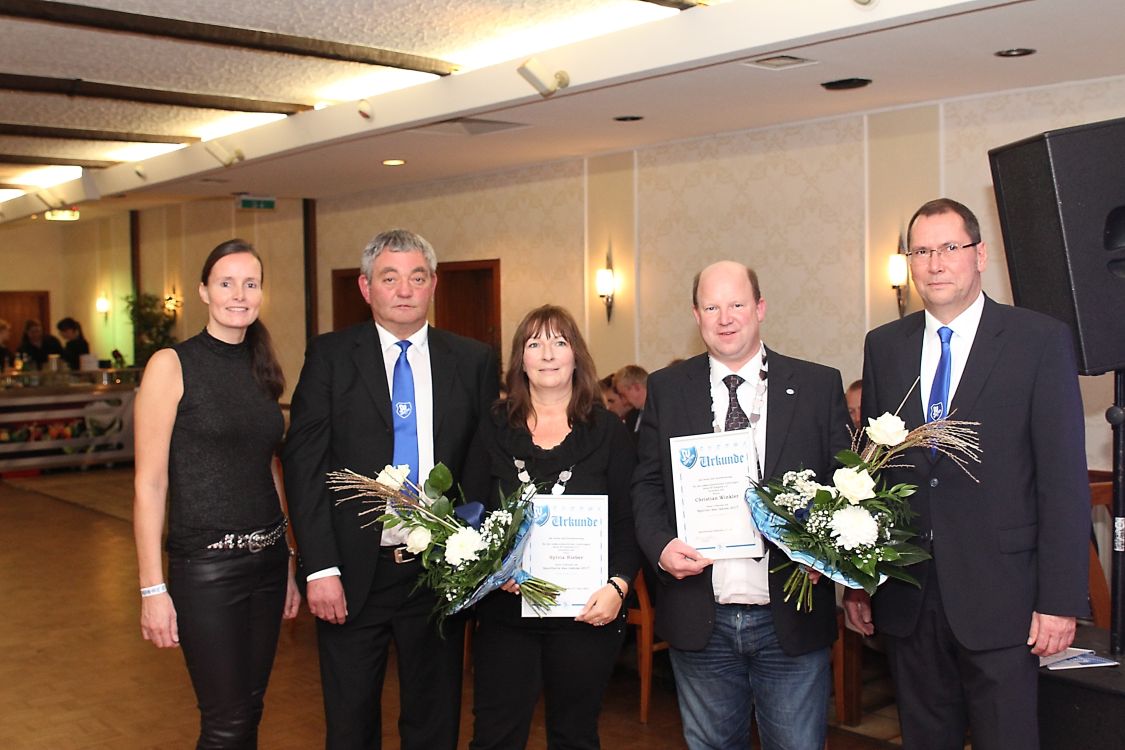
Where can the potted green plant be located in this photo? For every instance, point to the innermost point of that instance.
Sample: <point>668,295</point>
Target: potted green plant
<point>152,326</point>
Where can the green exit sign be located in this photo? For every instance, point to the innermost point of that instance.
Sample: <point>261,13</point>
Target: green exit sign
<point>256,203</point>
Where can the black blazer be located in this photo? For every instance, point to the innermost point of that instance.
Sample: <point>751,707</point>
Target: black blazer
<point>1017,540</point>
<point>806,425</point>
<point>341,419</point>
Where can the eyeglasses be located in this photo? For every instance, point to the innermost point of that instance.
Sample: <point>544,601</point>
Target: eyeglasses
<point>921,253</point>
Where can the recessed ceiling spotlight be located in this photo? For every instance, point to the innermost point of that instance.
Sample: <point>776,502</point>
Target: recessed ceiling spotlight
<point>628,118</point>
<point>846,83</point>
<point>1015,52</point>
<point>393,162</point>
<point>779,62</point>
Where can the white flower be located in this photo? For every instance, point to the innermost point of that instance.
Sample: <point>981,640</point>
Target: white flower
<point>854,484</point>
<point>887,430</point>
<point>418,540</point>
<point>853,526</point>
<point>463,546</point>
<point>393,476</point>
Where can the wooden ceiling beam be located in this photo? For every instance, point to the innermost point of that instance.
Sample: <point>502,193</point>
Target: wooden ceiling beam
<point>82,134</point>
<point>52,161</point>
<point>230,36</point>
<point>79,87</point>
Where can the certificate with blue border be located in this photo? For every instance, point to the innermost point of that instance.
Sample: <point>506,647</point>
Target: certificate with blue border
<point>569,546</point>
<point>711,474</point>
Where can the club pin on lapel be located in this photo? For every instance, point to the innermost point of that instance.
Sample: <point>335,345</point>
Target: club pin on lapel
<point>789,391</point>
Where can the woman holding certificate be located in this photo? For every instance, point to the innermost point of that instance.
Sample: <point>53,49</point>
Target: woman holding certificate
<point>553,431</point>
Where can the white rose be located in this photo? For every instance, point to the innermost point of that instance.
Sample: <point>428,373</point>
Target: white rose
<point>854,527</point>
<point>418,540</point>
<point>463,546</point>
<point>887,430</point>
<point>393,476</point>
<point>854,484</point>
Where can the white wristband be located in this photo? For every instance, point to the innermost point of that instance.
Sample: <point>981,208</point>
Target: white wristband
<point>159,588</point>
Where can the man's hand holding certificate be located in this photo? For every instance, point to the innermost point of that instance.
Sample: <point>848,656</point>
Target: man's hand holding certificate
<point>710,475</point>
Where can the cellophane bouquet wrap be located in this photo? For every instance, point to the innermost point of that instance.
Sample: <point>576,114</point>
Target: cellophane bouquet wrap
<point>465,551</point>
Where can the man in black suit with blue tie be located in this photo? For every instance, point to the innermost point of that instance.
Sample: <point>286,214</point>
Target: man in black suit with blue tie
<point>1008,574</point>
<point>394,391</point>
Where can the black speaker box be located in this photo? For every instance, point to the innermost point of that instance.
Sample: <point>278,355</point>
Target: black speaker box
<point>1061,197</point>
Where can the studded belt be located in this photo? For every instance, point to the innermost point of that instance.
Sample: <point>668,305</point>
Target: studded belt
<point>255,541</point>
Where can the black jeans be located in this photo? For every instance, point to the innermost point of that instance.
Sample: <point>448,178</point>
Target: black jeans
<point>228,607</point>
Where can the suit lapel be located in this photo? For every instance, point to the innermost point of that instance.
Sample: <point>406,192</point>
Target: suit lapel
<point>368,359</point>
<point>782,393</point>
<point>987,347</point>
<point>443,368</point>
<point>697,396</point>
<point>908,366</point>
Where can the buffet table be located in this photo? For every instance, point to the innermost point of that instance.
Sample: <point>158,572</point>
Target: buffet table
<point>79,420</point>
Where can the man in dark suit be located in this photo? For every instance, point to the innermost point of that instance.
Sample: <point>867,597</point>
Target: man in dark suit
<point>361,580</point>
<point>1008,574</point>
<point>736,646</point>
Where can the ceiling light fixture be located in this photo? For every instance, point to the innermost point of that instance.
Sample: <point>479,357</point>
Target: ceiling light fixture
<point>221,154</point>
<point>61,214</point>
<point>393,162</point>
<point>545,83</point>
<point>1015,52</point>
<point>780,62</point>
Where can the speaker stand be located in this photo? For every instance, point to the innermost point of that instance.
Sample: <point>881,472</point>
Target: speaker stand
<point>1115,415</point>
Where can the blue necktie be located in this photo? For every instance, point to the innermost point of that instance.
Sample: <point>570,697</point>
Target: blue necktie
<point>405,418</point>
<point>939,391</point>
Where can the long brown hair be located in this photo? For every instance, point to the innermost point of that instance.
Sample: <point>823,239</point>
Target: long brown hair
<point>263,360</point>
<point>551,320</point>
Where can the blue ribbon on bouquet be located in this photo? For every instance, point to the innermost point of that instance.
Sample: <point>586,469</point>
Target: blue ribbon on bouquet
<point>772,527</point>
<point>471,513</point>
<point>510,567</point>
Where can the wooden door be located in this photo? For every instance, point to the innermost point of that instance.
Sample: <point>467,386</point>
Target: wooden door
<point>467,300</point>
<point>19,307</point>
<point>348,305</point>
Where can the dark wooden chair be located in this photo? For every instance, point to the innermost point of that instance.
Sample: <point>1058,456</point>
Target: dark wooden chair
<point>1101,494</point>
<point>644,617</point>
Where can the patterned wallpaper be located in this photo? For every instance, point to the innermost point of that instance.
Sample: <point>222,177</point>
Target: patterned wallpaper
<point>531,219</point>
<point>789,202</point>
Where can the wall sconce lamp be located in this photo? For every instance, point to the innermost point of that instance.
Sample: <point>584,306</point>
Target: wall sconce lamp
<point>101,304</point>
<point>899,275</point>
<point>173,302</point>
<point>606,285</point>
<point>545,83</point>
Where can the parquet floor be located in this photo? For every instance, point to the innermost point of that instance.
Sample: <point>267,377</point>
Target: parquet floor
<point>75,673</point>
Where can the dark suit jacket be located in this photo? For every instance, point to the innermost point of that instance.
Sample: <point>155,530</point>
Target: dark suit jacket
<point>341,419</point>
<point>1016,541</point>
<point>806,425</point>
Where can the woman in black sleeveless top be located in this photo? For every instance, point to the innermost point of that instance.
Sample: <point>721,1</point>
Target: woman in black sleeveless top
<point>207,426</point>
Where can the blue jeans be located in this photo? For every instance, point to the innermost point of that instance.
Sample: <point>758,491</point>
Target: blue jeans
<point>744,670</point>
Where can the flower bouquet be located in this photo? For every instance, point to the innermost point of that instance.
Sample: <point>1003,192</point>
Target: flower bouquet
<point>466,553</point>
<point>855,532</point>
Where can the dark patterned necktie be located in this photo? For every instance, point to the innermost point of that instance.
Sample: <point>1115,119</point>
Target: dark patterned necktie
<point>736,417</point>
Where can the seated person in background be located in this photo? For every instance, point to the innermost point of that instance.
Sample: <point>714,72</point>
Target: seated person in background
<point>612,398</point>
<point>38,346</point>
<point>71,331</point>
<point>7,358</point>
<point>853,396</point>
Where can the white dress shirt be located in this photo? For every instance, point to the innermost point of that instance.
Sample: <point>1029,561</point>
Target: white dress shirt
<point>418,354</point>
<point>964,328</point>
<point>741,580</point>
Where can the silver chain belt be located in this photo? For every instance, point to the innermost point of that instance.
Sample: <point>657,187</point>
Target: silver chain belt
<point>255,541</point>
